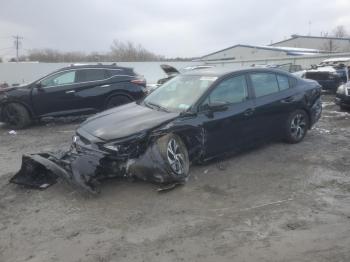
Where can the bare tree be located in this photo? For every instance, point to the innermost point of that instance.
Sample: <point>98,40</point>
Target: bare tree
<point>340,31</point>
<point>128,51</point>
<point>120,52</point>
<point>329,46</point>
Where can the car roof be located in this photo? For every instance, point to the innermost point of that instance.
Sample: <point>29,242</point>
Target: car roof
<point>97,66</point>
<point>222,71</point>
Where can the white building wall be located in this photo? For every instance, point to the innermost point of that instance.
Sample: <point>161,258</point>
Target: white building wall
<point>334,45</point>
<point>242,52</point>
<point>304,61</point>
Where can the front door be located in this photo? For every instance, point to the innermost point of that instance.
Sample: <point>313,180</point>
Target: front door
<point>55,94</point>
<point>231,126</point>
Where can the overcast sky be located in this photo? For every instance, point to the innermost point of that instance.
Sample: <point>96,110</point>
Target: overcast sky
<point>170,28</point>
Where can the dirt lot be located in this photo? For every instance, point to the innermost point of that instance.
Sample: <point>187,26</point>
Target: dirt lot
<point>277,202</point>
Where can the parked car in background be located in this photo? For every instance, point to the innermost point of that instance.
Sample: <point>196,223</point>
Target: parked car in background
<point>342,97</point>
<point>330,73</point>
<point>171,71</point>
<point>195,116</point>
<point>288,67</point>
<point>73,90</point>
<point>4,85</point>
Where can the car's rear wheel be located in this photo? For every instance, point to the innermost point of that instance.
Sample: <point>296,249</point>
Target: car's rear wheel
<point>297,126</point>
<point>16,115</point>
<point>175,155</point>
<point>117,101</point>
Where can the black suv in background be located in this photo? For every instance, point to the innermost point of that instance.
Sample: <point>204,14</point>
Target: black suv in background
<point>73,90</point>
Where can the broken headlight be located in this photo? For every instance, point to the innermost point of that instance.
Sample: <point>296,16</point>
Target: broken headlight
<point>126,147</point>
<point>123,149</point>
<point>113,146</point>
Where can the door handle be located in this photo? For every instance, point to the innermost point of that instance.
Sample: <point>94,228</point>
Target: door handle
<point>249,112</point>
<point>287,100</point>
<point>70,91</point>
<point>105,86</point>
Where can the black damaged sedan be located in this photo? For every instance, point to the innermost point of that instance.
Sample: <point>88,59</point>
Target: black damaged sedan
<point>195,116</point>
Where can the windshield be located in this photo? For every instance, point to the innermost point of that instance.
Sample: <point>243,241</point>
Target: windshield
<point>180,93</point>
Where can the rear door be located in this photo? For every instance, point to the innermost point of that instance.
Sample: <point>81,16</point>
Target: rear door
<point>274,100</point>
<point>91,88</point>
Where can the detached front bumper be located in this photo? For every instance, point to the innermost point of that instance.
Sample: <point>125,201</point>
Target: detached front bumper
<point>43,170</point>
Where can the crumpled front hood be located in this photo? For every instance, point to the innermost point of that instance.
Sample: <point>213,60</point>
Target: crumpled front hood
<point>124,121</point>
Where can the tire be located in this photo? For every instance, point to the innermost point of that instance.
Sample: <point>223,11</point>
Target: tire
<point>175,156</point>
<point>17,116</point>
<point>297,126</point>
<point>117,101</point>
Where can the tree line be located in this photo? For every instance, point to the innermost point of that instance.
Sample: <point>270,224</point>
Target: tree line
<point>119,52</point>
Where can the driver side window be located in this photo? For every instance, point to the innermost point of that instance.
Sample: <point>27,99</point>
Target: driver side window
<point>229,91</point>
<point>59,79</point>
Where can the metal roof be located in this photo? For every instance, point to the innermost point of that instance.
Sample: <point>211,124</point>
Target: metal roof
<point>288,50</point>
<point>309,36</point>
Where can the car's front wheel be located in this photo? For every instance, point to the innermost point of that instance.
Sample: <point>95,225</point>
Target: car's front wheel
<point>297,126</point>
<point>16,115</point>
<point>175,155</point>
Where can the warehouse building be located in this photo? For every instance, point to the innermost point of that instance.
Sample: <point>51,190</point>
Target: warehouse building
<point>246,52</point>
<point>327,44</point>
<point>297,45</point>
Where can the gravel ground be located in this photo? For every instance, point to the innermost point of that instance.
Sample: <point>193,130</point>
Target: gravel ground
<point>277,202</point>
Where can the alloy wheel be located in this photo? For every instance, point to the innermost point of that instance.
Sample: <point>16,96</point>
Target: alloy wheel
<point>298,126</point>
<point>175,157</point>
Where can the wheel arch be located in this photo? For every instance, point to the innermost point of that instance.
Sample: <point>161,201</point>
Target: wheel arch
<point>115,94</point>
<point>308,113</point>
<point>25,105</point>
<point>192,137</point>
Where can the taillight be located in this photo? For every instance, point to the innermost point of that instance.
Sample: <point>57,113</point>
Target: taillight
<point>139,81</point>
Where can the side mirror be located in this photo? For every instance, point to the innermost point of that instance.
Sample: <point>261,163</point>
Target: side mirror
<point>217,106</point>
<point>38,85</point>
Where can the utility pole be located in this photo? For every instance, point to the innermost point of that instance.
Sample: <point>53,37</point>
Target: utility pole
<point>17,45</point>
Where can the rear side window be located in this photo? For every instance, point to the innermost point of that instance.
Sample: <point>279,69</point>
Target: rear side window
<point>232,90</point>
<point>283,82</point>
<point>264,83</point>
<point>86,75</point>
